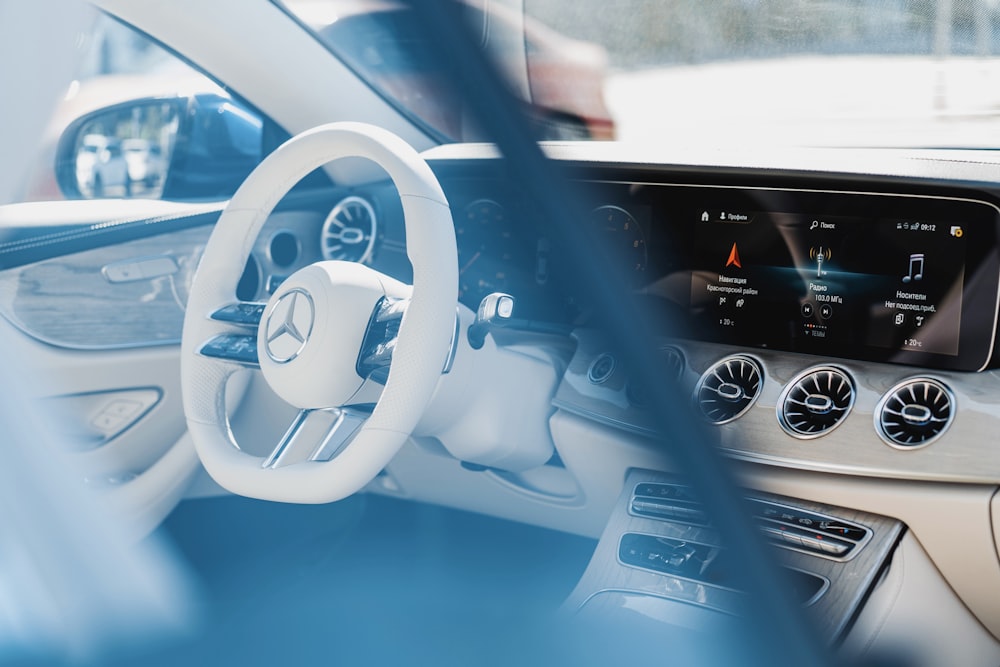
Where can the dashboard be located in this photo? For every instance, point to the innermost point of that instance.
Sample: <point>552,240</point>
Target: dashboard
<point>818,320</point>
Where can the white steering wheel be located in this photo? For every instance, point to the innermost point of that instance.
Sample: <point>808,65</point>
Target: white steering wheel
<point>308,338</point>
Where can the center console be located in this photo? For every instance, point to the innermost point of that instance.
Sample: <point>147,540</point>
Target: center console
<point>659,546</point>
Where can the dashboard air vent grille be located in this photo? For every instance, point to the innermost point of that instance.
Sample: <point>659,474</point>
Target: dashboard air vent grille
<point>349,231</point>
<point>914,413</point>
<point>675,362</point>
<point>816,402</point>
<point>728,389</point>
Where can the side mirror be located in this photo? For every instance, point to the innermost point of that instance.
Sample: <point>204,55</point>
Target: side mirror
<point>196,147</point>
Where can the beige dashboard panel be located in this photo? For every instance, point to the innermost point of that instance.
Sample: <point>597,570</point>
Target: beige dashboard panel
<point>953,522</point>
<point>914,618</point>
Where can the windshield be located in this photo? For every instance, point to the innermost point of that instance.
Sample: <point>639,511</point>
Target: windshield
<point>727,73</point>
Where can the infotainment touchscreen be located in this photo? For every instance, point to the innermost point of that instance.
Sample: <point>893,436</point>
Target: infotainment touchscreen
<point>901,278</point>
<point>833,280</point>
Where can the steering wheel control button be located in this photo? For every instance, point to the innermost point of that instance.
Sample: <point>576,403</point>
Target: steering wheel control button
<point>602,368</point>
<point>232,347</point>
<point>243,313</point>
<point>289,325</point>
<point>380,339</point>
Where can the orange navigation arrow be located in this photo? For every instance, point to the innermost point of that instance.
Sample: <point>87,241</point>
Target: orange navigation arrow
<point>734,258</point>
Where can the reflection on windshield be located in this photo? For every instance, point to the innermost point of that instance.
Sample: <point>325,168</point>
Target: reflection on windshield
<point>806,73</point>
<point>561,79</point>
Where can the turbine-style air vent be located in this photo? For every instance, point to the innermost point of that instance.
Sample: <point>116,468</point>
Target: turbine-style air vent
<point>674,360</point>
<point>350,231</point>
<point>728,389</point>
<point>914,413</point>
<point>815,402</point>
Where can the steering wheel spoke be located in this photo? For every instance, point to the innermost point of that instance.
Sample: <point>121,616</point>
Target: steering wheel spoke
<point>318,435</point>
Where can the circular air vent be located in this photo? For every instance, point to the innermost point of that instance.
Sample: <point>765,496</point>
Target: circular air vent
<point>349,231</point>
<point>815,402</point>
<point>728,389</point>
<point>914,413</point>
<point>674,360</point>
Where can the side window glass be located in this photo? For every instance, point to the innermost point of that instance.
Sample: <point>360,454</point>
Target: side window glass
<point>137,122</point>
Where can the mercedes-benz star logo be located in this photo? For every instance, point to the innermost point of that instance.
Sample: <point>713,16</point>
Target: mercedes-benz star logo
<point>289,326</point>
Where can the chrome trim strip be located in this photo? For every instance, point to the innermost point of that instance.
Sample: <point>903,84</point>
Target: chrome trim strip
<point>284,445</point>
<point>450,361</point>
<point>349,422</point>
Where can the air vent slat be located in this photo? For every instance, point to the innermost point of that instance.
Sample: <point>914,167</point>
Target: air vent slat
<point>920,395</point>
<point>797,408</point>
<point>674,361</point>
<point>739,371</point>
<point>350,231</point>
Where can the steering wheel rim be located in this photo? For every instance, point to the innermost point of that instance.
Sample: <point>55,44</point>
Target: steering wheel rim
<point>425,332</point>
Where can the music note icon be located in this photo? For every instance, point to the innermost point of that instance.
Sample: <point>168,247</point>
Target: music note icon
<point>916,268</point>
